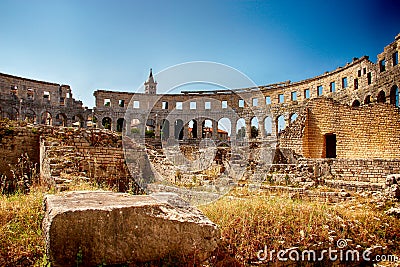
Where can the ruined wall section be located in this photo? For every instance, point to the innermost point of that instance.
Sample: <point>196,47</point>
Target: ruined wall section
<point>39,102</point>
<point>365,132</point>
<point>80,153</point>
<point>14,142</point>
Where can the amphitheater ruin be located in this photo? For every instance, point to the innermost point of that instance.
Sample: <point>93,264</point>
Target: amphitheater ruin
<point>342,127</point>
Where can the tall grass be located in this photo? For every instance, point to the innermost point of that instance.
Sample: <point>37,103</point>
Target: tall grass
<point>21,239</point>
<point>251,223</point>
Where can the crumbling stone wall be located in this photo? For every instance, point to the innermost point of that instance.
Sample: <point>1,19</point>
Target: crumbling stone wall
<point>14,142</point>
<point>40,102</point>
<point>81,153</point>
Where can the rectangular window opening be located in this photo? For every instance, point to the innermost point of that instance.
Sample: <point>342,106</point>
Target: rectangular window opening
<point>268,100</point>
<point>121,103</point>
<point>281,98</point>
<point>359,73</point>
<point>320,90</point>
<point>369,77</point>
<point>255,102</point>
<point>355,84</point>
<point>395,58</point>
<point>46,95</point>
<point>107,102</point>
<point>192,105</point>
<point>136,104</point>
<point>224,104</point>
<point>344,82</point>
<point>241,103</point>
<point>332,86</point>
<point>307,93</point>
<point>293,96</point>
<point>178,105</point>
<point>164,105</point>
<point>382,65</point>
<point>207,105</point>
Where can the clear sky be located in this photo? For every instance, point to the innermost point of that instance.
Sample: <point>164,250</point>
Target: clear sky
<point>98,44</point>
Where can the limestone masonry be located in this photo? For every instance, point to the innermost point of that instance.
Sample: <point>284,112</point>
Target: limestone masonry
<point>342,127</point>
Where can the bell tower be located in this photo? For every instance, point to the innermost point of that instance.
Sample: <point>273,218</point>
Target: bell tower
<point>150,86</point>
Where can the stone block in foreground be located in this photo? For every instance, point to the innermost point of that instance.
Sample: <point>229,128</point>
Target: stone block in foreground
<point>95,228</point>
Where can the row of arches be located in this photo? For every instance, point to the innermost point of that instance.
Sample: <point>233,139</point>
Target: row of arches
<point>223,129</point>
<point>381,97</point>
<point>45,118</point>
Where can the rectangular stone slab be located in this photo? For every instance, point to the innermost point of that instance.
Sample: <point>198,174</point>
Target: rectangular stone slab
<point>93,228</point>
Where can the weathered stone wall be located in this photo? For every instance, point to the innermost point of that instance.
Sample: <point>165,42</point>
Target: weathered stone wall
<point>92,154</point>
<point>15,141</point>
<point>359,82</point>
<point>40,102</point>
<point>369,131</point>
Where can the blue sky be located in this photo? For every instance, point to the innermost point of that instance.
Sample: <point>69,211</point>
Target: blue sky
<point>97,44</point>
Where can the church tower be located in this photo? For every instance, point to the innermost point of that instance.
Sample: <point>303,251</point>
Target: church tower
<point>150,86</point>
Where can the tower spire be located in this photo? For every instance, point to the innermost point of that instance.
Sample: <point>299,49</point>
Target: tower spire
<point>150,85</point>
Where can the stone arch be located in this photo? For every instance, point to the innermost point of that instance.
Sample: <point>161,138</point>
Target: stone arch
<point>78,121</point>
<point>30,116</point>
<point>135,126</point>
<point>106,122</point>
<point>394,95</point>
<point>293,117</point>
<point>254,130</point>
<point>121,125</point>
<point>224,128</point>
<point>61,120</point>
<point>281,123</point>
<point>268,126</point>
<point>46,118</point>
<point>178,129</point>
<point>192,128</point>
<point>381,98</point>
<point>367,100</point>
<point>355,104</point>
<point>207,128</point>
<point>240,128</point>
<point>164,129</point>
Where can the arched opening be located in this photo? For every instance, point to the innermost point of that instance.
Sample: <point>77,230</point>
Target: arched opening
<point>164,129</point>
<point>13,114</point>
<point>381,97</point>
<point>224,129</point>
<point>293,117</point>
<point>46,118</point>
<point>61,120</point>
<point>179,129</point>
<point>367,100</point>
<point>355,103</point>
<point>254,127</point>
<point>78,121</point>
<point>135,123</point>
<point>207,129</point>
<point>280,121</point>
<point>268,126</point>
<point>106,122</point>
<point>394,96</point>
<point>241,128</point>
<point>192,129</point>
<point>120,125</point>
<point>30,116</point>
<point>150,128</point>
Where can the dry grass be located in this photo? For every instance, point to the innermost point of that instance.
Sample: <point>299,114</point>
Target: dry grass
<point>247,224</point>
<point>21,239</point>
<point>250,223</point>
